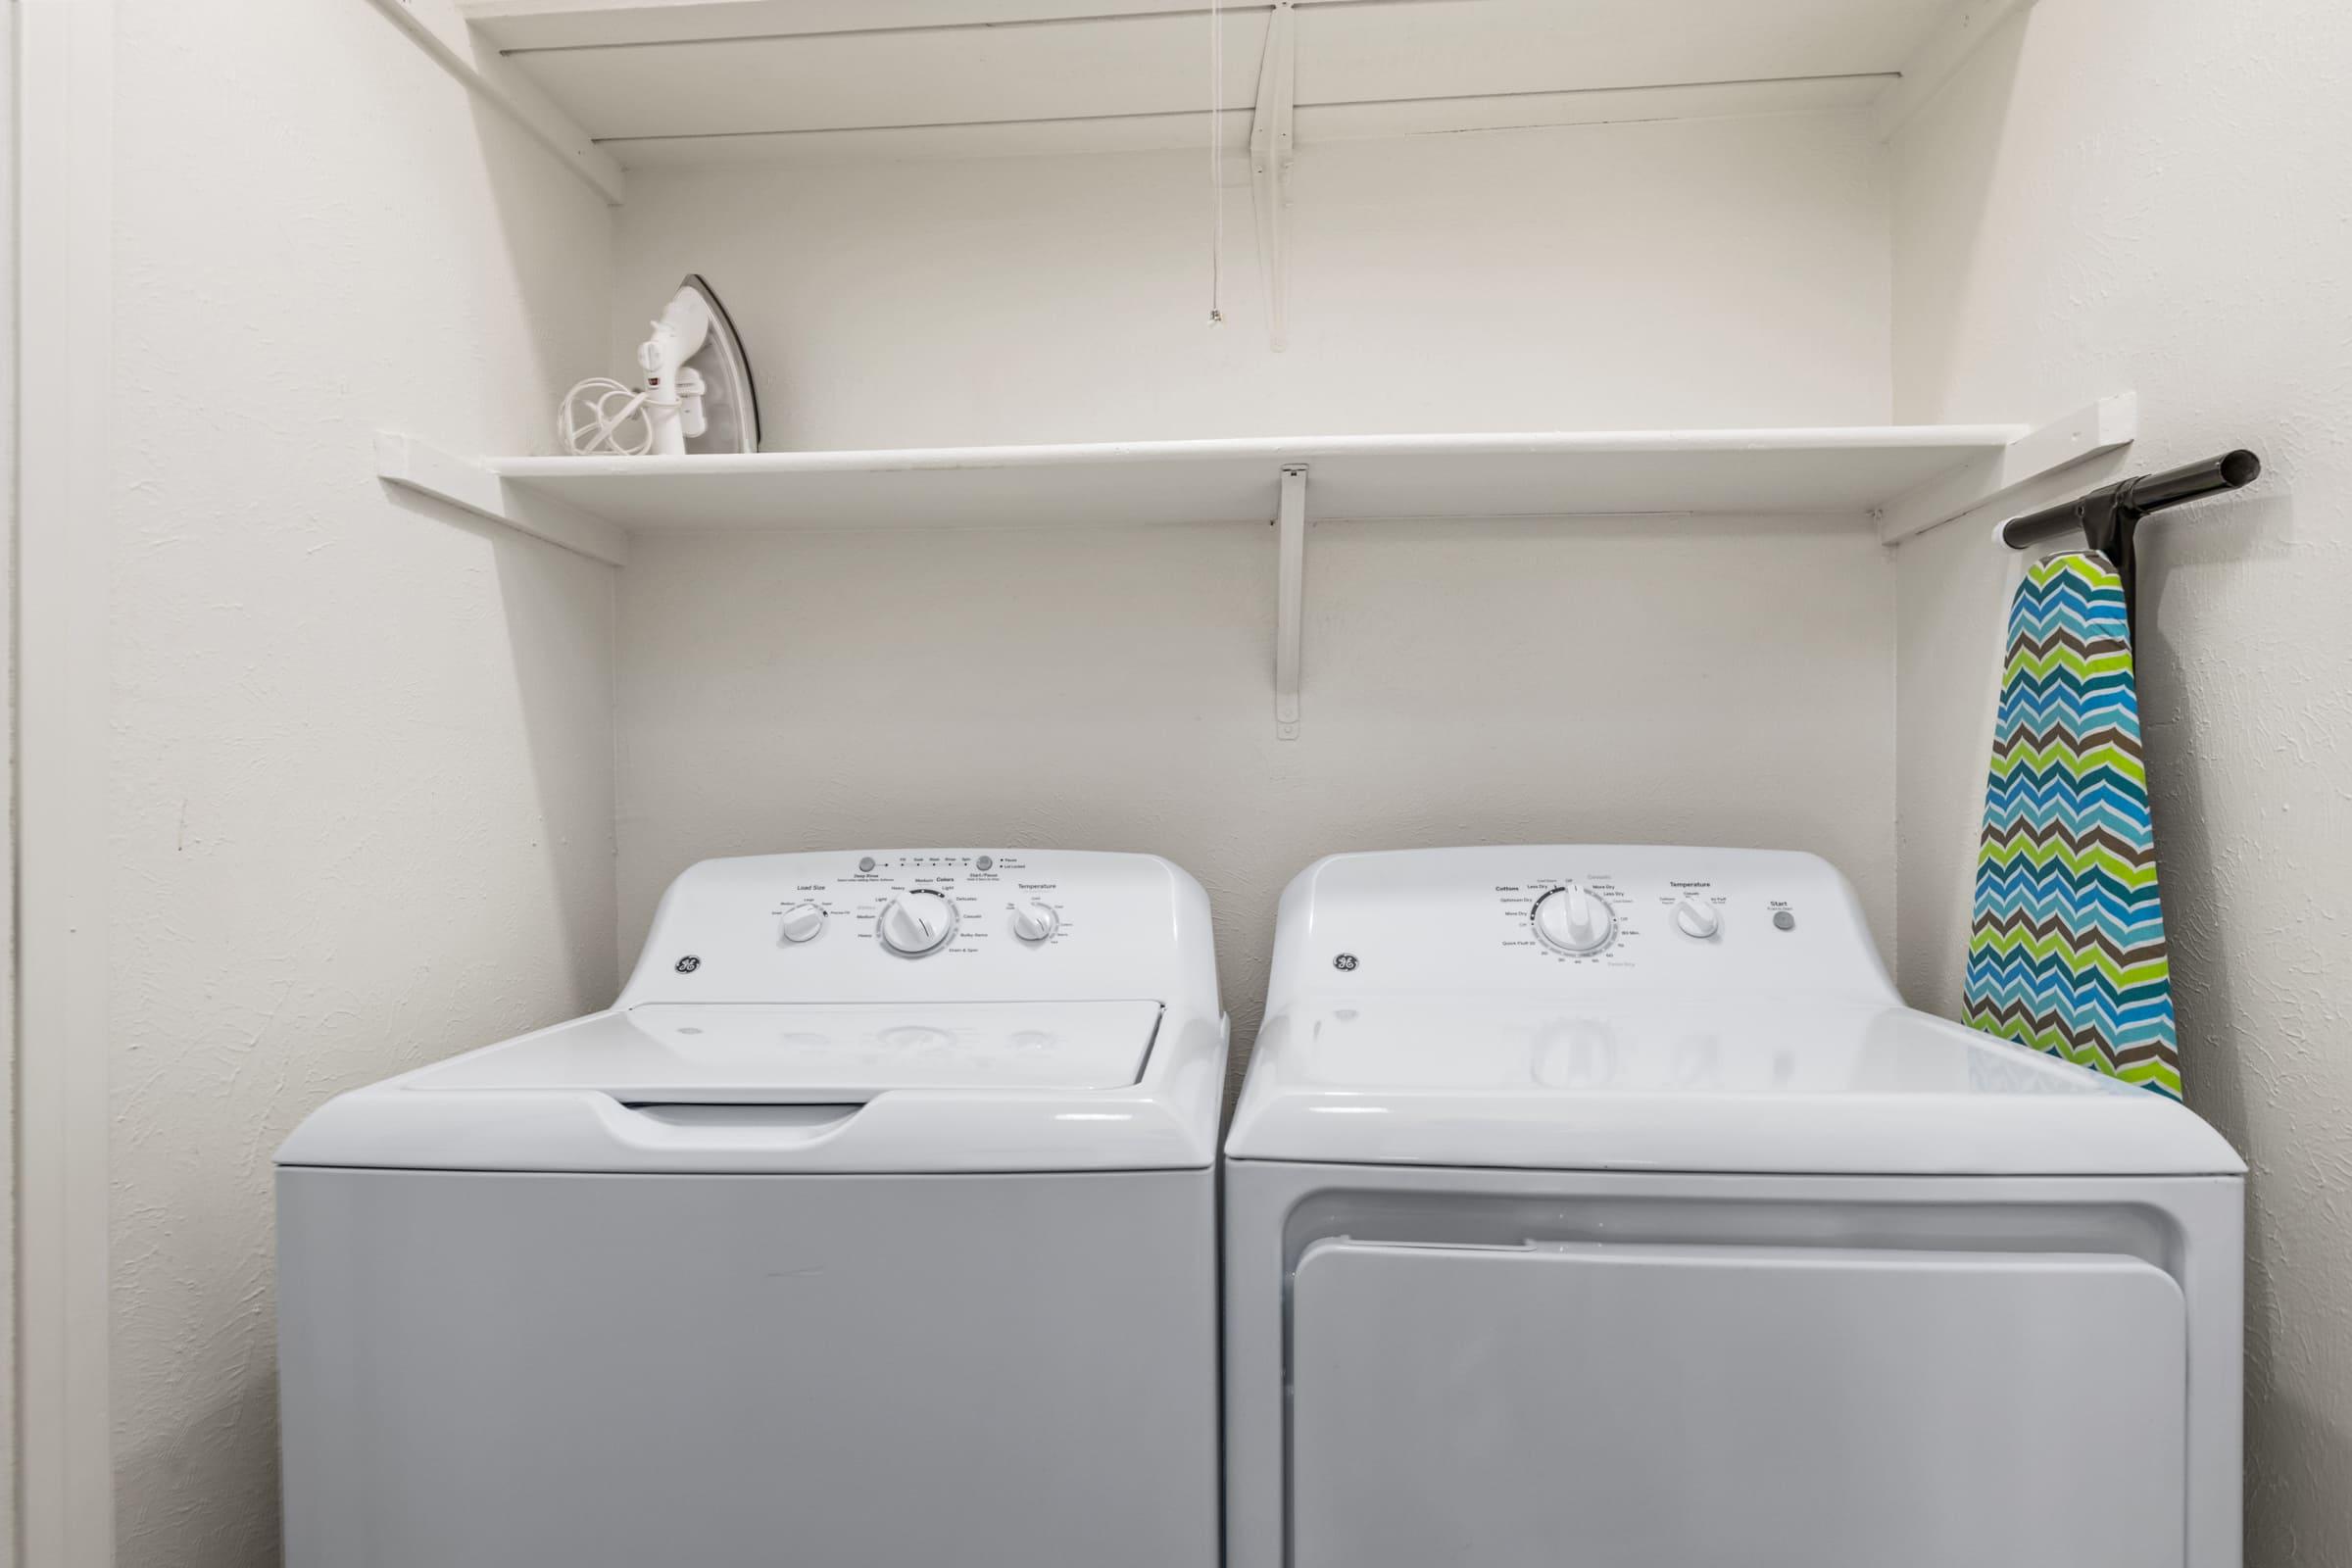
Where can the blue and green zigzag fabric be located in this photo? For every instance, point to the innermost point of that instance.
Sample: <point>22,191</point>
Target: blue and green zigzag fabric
<point>2066,949</point>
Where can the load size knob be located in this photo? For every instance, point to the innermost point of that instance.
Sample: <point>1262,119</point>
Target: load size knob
<point>915,923</point>
<point>804,922</point>
<point>1574,919</point>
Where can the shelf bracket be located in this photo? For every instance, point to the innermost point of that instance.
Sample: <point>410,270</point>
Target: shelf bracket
<point>2087,432</point>
<point>1273,143</point>
<point>1290,596</point>
<point>418,465</point>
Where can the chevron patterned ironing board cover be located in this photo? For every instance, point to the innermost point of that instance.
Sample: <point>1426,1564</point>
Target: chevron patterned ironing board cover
<point>2066,949</point>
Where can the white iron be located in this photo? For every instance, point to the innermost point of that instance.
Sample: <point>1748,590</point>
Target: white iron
<point>697,380</point>
<point>697,395</point>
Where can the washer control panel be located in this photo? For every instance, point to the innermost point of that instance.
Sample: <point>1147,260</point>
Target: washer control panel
<point>920,906</point>
<point>914,924</point>
<point>1573,918</point>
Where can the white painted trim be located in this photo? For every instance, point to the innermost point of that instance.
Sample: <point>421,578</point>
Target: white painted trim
<point>2086,433</point>
<point>443,31</point>
<point>1315,124</point>
<point>418,465</point>
<point>1959,438</point>
<point>1589,106</point>
<point>525,25</point>
<point>906,144</point>
<point>1939,57</point>
<point>65,152</point>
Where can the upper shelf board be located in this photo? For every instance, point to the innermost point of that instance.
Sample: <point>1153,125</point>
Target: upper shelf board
<point>1905,477</point>
<point>1851,471</point>
<point>711,80</point>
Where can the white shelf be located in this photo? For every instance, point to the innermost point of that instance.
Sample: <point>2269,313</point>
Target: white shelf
<point>1900,478</point>
<point>660,82</point>
<point>616,84</point>
<point>1356,477</point>
<point>1906,477</point>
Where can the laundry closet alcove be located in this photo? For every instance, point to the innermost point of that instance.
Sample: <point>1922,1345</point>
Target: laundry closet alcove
<point>1558,356</point>
<point>1602,441</point>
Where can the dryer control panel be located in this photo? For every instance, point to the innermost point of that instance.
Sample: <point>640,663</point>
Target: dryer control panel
<point>928,924</point>
<point>1572,918</point>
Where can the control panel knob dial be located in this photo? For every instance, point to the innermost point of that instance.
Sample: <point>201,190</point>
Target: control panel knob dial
<point>1035,920</point>
<point>804,922</point>
<point>1575,919</point>
<point>915,923</point>
<point>1695,918</point>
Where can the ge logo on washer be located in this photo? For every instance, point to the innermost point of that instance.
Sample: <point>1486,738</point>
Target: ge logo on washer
<point>1344,963</point>
<point>689,963</point>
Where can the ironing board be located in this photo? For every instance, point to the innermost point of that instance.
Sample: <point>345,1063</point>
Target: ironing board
<point>2066,949</point>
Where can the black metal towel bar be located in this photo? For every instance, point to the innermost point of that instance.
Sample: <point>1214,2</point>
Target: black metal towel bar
<point>2109,516</point>
<point>2148,492</point>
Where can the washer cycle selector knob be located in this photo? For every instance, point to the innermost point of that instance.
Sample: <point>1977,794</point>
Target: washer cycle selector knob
<point>1035,920</point>
<point>915,923</point>
<point>1695,918</point>
<point>1574,919</point>
<point>804,922</point>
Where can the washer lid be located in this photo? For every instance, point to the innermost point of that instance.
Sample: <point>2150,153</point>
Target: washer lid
<point>717,1053</point>
<point>1749,1084</point>
<point>950,1088</point>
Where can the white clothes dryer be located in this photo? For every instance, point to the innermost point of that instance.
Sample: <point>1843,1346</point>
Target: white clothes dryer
<point>872,1227</point>
<point>1605,1205</point>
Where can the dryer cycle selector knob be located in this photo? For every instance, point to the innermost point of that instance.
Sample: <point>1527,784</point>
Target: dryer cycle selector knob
<point>1035,920</point>
<point>804,922</point>
<point>1574,919</point>
<point>1695,918</point>
<point>915,923</point>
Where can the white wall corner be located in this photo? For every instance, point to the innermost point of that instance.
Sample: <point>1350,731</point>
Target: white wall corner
<point>2086,433</point>
<point>426,469</point>
<point>63,89</point>
<point>441,29</point>
<point>1948,46</point>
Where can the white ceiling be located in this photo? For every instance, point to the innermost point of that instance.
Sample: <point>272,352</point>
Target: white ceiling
<point>657,81</point>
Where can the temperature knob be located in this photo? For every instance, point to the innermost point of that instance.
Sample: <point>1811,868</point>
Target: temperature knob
<point>1575,919</point>
<point>916,923</point>
<point>1035,920</point>
<point>804,922</point>
<point>1695,918</point>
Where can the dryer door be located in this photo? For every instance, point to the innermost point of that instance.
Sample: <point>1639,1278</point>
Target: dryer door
<point>1657,1406</point>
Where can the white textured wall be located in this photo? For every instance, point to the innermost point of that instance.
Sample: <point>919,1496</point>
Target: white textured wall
<point>2151,194</point>
<point>1110,688</point>
<point>362,795</point>
<point>1599,278</point>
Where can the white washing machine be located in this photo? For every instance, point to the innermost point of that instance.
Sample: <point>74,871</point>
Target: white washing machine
<point>1604,1206</point>
<point>873,1227</point>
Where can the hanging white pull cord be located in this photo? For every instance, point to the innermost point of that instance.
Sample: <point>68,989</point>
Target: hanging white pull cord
<point>1216,161</point>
